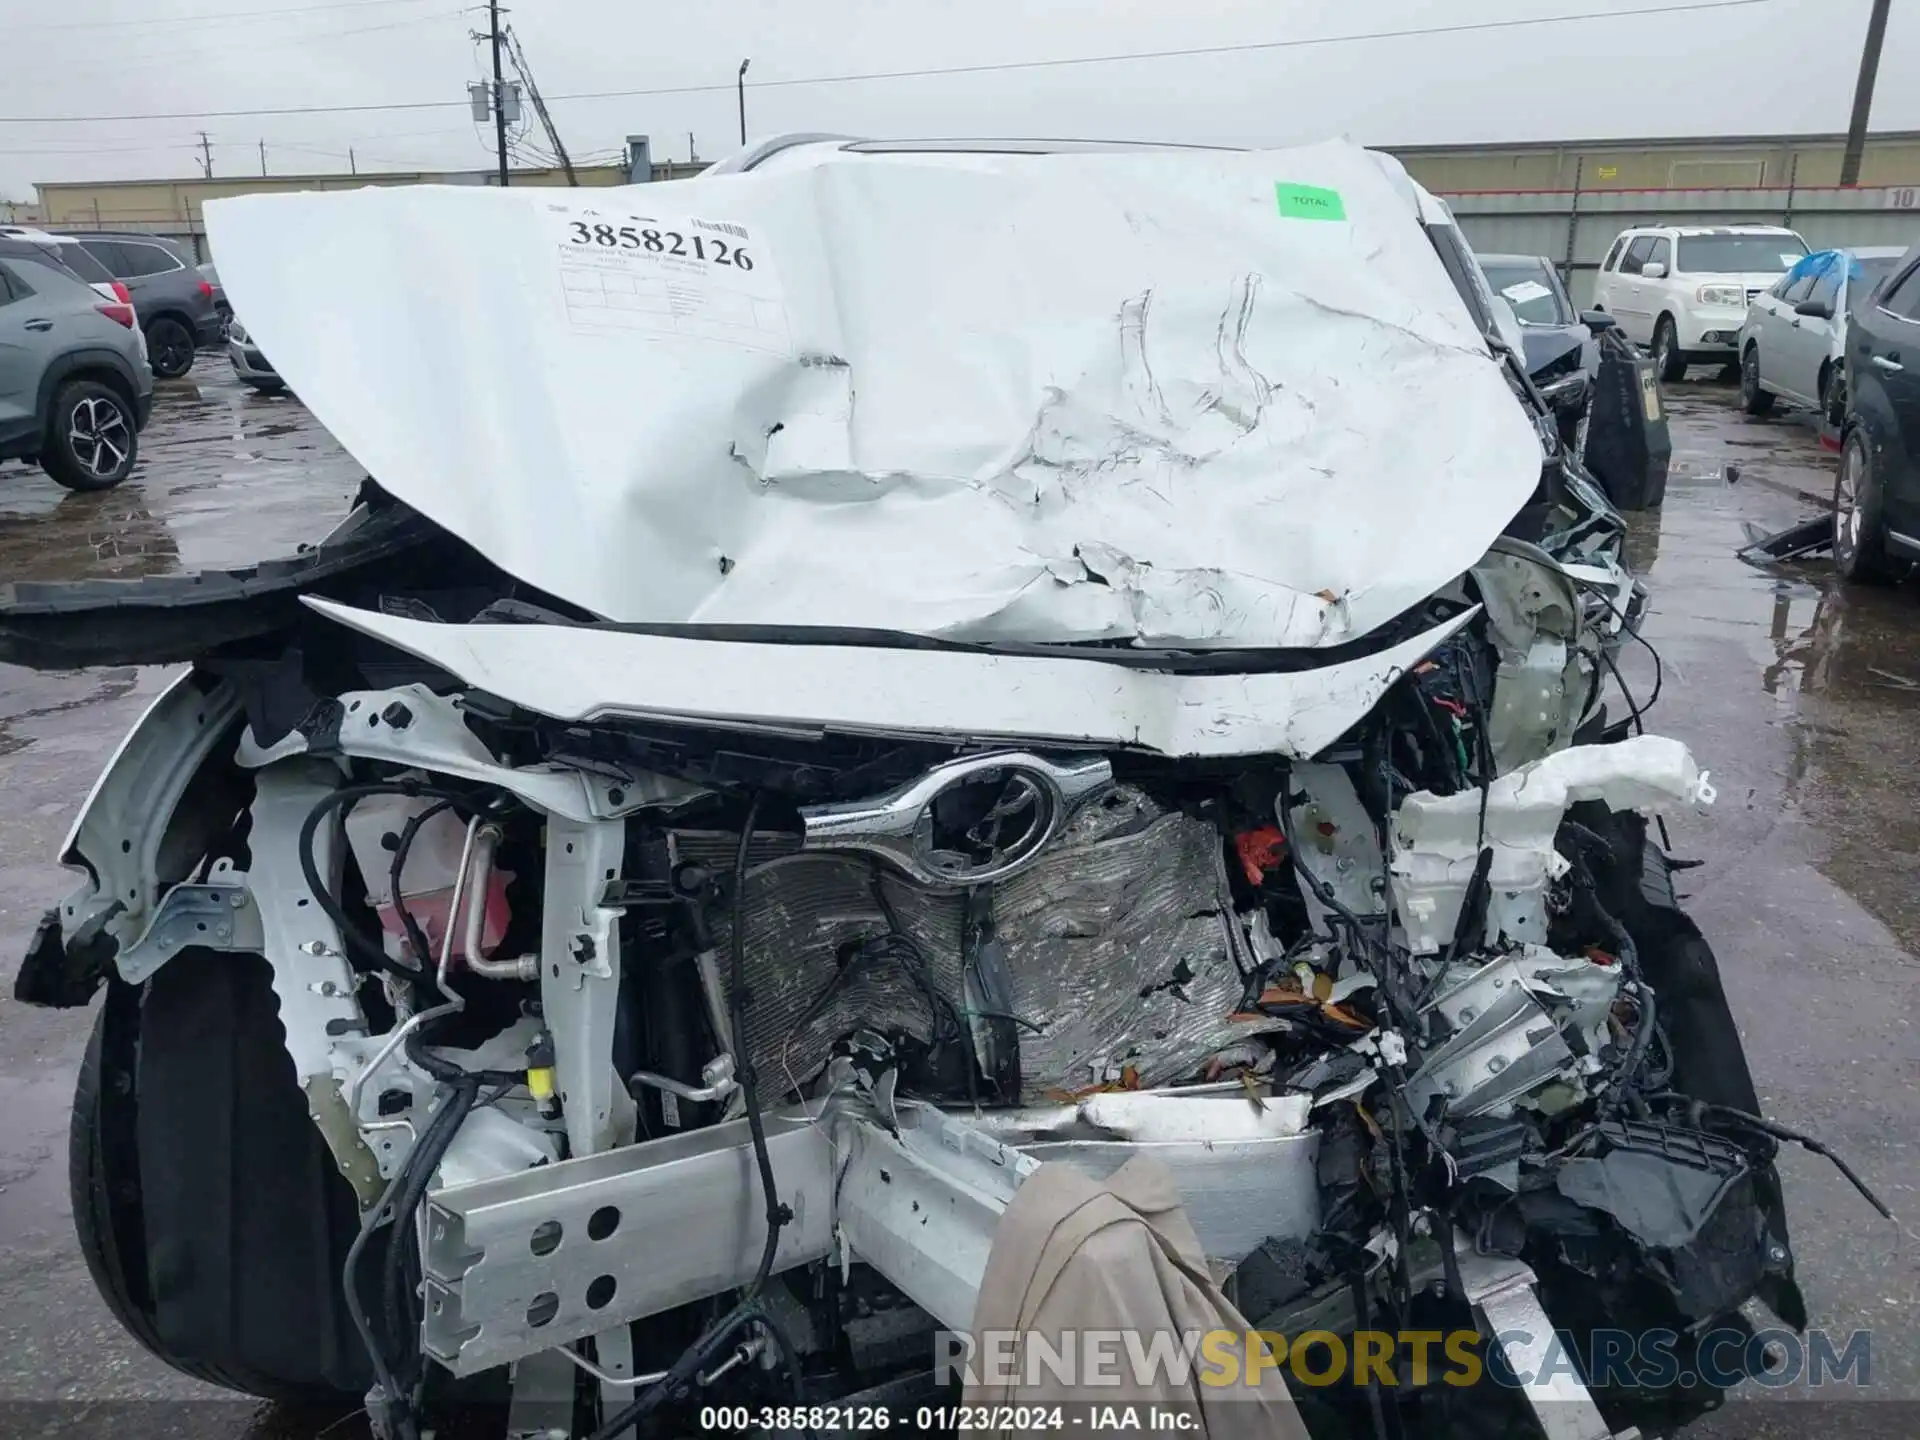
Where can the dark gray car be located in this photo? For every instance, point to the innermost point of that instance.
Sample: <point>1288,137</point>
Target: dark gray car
<point>174,300</point>
<point>75,389</point>
<point>1876,493</point>
<point>1561,354</point>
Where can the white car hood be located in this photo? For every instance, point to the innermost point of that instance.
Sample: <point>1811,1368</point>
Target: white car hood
<point>1219,399</point>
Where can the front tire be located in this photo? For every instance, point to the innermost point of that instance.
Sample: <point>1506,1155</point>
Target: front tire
<point>211,1218</point>
<point>1667,354</point>
<point>91,440</point>
<point>169,348</point>
<point>1859,518</point>
<point>1753,399</point>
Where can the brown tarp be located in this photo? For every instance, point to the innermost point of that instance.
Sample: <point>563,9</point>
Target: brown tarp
<point>1073,1256</point>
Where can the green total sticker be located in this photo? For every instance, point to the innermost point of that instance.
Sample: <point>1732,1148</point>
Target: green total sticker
<point>1310,202</point>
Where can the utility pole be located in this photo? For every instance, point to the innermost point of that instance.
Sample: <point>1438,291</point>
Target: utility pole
<point>353,166</point>
<point>692,158</point>
<point>741,79</point>
<point>263,158</point>
<point>206,155</point>
<point>499,94</point>
<point>518,55</point>
<point>1863,93</point>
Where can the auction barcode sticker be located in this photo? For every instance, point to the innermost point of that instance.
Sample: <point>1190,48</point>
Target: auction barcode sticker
<point>671,275</point>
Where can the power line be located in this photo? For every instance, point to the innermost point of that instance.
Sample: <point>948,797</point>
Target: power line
<point>80,149</point>
<point>1417,32</point>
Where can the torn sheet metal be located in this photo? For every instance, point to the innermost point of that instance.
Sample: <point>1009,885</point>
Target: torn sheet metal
<point>579,673</point>
<point>1796,542</point>
<point>1245,1171</point>
<point>1138,395</point>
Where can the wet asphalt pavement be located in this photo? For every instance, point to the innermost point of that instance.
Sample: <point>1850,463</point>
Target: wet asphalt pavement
<point>1802,698</point>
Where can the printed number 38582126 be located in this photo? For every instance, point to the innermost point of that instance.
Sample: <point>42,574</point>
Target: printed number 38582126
<point>660,242</point>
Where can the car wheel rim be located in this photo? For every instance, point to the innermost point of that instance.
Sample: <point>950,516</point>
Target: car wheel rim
<point>170,346</point>
<point>1846,503</point>
<point>98,435</point>
<point>1750,375</point>
<point>1663,346</point>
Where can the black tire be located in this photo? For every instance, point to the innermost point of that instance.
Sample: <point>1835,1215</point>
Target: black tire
<point>268,387</point>
<point>91,441</point>
<point>230,1317</point>
<point>102,1124</point>
<point>1859,517</point>
<point>1753,399</point>
<point>169,347</point>
<point>105,1189</point>
<point>1667,353</point>
<point>1833,399</point>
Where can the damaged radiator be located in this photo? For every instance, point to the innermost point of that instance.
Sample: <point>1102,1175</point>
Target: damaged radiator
<point>812,923</point>
<point>1118,941</point>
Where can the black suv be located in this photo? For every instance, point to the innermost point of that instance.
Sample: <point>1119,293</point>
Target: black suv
<point>174,300</point>
<point>1876,493</point>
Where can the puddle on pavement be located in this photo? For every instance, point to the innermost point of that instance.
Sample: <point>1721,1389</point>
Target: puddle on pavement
<point>224,478</point>
<point>1834,669</point>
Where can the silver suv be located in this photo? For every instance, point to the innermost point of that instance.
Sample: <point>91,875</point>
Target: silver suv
<point>174,300</point>
<point>75,388</point>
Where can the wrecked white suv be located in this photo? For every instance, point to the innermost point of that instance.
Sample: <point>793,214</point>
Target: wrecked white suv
<point>865,676</point>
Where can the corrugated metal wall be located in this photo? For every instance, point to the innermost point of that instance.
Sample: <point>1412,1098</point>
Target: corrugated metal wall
<point>1575,230</point>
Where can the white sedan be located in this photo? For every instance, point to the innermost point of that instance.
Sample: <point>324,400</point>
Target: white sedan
<point>1795,333</point>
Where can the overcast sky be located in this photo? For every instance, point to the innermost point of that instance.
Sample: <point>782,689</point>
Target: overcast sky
<point>1754,66</point>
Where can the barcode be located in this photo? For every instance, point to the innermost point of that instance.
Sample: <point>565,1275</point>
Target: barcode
<point>738,231</point>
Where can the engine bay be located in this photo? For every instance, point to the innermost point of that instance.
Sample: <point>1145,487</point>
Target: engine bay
<point>561,993</point>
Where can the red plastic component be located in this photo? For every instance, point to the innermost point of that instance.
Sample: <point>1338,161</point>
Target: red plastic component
<point>1259,851</point>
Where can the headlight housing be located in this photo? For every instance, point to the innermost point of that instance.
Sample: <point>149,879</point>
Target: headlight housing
<point>1722,295</point>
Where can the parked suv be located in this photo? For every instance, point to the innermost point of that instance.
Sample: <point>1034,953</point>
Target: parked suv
<point>175,301</point>
<point>1683,290</point>
<point>75,388</point>
<point>69,252</point>
<point>1876,492</point>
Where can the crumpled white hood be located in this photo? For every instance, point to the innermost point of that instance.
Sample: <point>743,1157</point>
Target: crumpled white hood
<point>1213,399</point>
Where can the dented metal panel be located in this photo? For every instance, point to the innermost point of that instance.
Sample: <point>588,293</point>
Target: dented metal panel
<point>1129,396</point>
<point>579,673</point>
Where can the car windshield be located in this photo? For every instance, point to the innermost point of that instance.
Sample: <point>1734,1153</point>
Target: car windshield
<point>1739,254</point>
<point>1531,288</point>
<point>1867,276</point>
